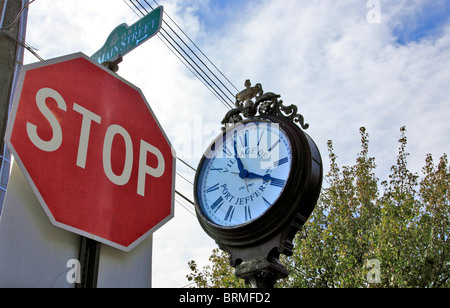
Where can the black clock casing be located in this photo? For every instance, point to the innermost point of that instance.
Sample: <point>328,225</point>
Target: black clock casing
<point>279,224</point>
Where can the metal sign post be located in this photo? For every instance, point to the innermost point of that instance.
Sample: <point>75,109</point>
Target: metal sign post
<point>89,261</point>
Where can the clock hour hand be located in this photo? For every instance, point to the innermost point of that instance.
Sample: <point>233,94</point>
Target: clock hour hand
<point>265,177</point>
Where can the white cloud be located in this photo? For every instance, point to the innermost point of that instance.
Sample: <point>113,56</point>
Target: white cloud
<point>323,56</point>
<point>345,73</point>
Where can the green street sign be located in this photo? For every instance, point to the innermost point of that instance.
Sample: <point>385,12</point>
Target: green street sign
<point>124,39</point>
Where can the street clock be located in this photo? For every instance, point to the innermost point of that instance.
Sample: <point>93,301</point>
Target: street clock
<point>257,184</point>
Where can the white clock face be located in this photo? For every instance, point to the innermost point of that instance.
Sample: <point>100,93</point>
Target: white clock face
<point>244,174</point>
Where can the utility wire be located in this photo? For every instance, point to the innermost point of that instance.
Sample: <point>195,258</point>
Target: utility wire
<point>199,50</point>
<point>195,54</point>
<point>186,208</point>
<point>191,49</point>
<point>24,44</point>
<point>187,66</point>
<point>194,67</point>
<point>180,56</point>
<point>125,1</point>
<point>187,164</point>
<point>184,178</point>
<point>177,192</point>
<point>190,58</point>
<point>18,16</point>
<point>184,197</point>
<point>4,31</point>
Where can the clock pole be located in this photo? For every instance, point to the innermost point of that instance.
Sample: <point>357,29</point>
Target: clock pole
<point>255,245</point>
<point>262,273</point>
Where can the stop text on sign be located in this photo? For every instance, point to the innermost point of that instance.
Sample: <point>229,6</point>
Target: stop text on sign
<point>89,119</point>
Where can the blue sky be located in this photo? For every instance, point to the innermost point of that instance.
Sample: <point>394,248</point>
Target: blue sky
<point>324,56</point>
<point>425,22</point>
<point>218,13</point>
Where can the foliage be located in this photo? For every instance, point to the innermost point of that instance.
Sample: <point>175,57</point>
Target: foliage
<point>219,275</point>
<point>364,233</point>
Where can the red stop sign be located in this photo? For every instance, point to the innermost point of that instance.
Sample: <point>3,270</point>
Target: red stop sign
<point>92,150</point>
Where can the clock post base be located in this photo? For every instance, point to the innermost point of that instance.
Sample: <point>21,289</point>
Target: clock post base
<point>259,265</point>
<point>261,273</point>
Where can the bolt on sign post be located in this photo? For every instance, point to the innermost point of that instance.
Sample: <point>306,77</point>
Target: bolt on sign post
<point>92,150</point>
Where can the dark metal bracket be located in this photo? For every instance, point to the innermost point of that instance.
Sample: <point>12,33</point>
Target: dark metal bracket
<point>113,65</point>
<point>265,103</point>
<point>261,273</point>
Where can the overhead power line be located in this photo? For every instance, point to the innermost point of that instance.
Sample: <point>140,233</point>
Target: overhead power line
<point>18,15</point>
<point>188,207</point>
<point>4,30</point>
<point>206,57</point>
<point>192,168</point>
<point>195,45</point>
<point>184,178</point>
<point>197,62</point>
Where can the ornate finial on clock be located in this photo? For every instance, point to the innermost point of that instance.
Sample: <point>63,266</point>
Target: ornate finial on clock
<point>265,103</point>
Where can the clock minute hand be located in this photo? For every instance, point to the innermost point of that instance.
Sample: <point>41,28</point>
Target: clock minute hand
<point>239,161</point>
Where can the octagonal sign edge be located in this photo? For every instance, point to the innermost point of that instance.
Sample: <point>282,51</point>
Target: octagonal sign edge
<point>92,150</point>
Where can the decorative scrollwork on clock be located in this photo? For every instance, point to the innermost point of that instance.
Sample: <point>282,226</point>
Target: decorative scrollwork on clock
<point>265,104</point>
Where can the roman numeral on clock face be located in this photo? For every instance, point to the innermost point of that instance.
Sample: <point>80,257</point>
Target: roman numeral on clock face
<point>274,145</point>
<point>277,182</point>
<point>230,213</point>
<point>267,203</point>
<point>217,204</point>
<point>213,188</point>
<point>248,213</point>
<point>280,162</point>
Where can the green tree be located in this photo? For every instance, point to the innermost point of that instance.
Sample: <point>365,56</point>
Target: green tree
<point>366,233</point>
<point>218,275</point>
